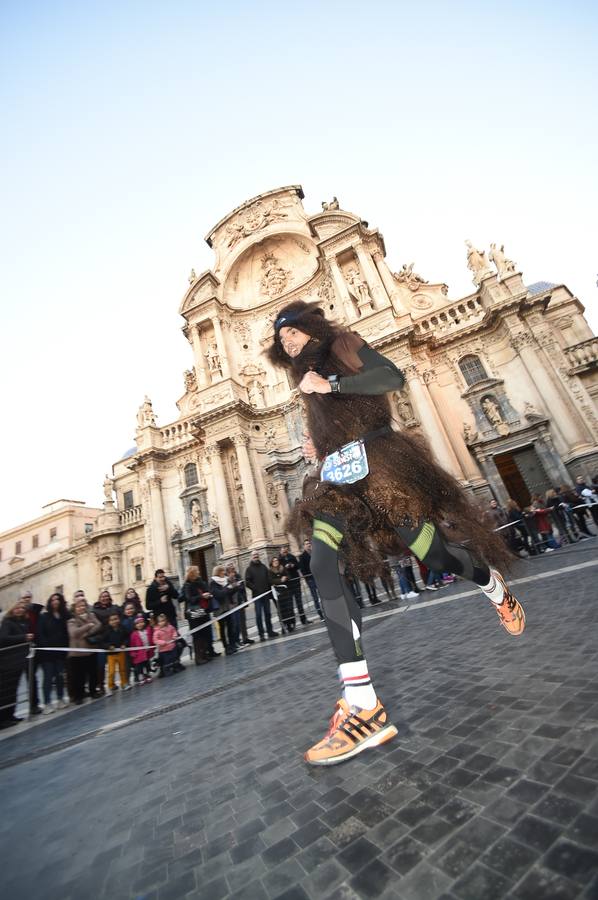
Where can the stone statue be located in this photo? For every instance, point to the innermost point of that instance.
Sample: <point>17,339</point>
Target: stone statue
<point>271,494</point>
<point>270,437</point>
<point>408,277</point>
<point>404,407</point>
<point>530,411</point>
<point>192,277</point>
<point>469,434</point>
<point>106,569</point>
<point>213,359</point>
<point>256,393</point>
<point>275,278</point>
<point>503,265</point>
<point>493,413</point>
<point>213,520</point>
<point>108,488</point>
<point>176,531</point>
<point>195,509</point>
<point>145,414</point>
<point>234,464</point>
<point>477,262</point>
<point>333,204</point>
<point>360,288</point>
<point>190,381</point>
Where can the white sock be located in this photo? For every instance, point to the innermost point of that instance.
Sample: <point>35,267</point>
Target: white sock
<point>494,589</point>
<point>358,690</point>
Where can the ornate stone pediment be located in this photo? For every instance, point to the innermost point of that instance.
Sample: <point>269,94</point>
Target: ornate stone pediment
<point>203,288</point>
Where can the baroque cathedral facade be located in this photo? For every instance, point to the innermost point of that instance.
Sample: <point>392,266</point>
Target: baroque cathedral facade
<point>502,383</point>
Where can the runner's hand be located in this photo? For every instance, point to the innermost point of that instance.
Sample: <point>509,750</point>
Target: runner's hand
<point>312,383</point>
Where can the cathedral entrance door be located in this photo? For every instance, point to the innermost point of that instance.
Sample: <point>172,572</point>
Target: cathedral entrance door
<point>523,474</point>
<point>198,558</point>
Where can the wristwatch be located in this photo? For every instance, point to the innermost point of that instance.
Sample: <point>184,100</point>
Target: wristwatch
<point>335,383</point>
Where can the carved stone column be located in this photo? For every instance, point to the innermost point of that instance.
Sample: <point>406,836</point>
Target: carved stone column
<point>161,549</point>
<point>431,423</point>
<point>453,430</point>
<point>256,525</point>
<point>493,478</point>
<point>343,290</point>
<point>388,282</point>
<point>200,362</point>
<point>563,413</point>
<point>221,347</point>
<point>225,518</point>
<point>372,277</point>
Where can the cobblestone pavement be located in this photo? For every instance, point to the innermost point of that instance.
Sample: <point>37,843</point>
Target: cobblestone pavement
<point>489,791</point>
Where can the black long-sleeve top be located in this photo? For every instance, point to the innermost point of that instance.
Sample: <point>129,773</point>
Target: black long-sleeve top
<point>378,375</point>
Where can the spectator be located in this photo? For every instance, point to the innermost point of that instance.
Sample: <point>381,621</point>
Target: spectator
<point>588,495</point>
<point>142,639</point>
<point>33,612</point>
<point>290,564</point>
<point>257,579</point>
<point>497,515</point>
<point>555,503</point>
<point>388,582</point>
<point>104,607</point>
<point>161,596</point>
<point>517,532</point>
<point>132,596</point>
<point>222,592</point>
<point>305,568</point>
<point>576,517</point>
<point>129,615</point>
<point>279,580</point>
<point>239,597</point>
<point>165,636</point>
<point>353,585</point>
<point>543,524</point>
<point>197,602</point>
<point>370,587</point>
<point>116,639</point>
<point>14,647</point>
<point>52,631</point>
<point>407,582</point>
<point>83,625</point>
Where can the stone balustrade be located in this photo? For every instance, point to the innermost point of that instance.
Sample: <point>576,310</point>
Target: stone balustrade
<point>450,318</point>
<point>129,517</point>
<point>177,433</point>
<point>584,355</point>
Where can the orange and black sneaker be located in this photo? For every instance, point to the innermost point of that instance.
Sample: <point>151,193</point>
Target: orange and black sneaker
<point>510,611</point>
<point>350,731</point>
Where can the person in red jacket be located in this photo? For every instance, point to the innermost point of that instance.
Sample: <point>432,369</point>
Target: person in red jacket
<point>142,639</point>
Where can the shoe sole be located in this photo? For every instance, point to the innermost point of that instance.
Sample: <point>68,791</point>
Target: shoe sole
<point>375,740</point>
<point>522,629</point>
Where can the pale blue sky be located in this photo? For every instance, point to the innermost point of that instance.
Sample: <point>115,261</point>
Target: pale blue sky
<point>130,128</point>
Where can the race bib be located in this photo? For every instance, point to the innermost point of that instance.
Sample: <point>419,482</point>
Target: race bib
<point>347,465</point>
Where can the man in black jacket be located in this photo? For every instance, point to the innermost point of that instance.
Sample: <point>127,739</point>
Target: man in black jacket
<point>291,565</point>
<point>305,567</point>
<point>160,597</point>
<point>258,582</point>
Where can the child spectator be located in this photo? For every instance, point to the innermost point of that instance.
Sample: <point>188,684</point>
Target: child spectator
<point>115,639</point>
<point>142,638</point>
<point>165,638</point>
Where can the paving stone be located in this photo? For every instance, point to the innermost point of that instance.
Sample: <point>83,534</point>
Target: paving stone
<point>282,877</point>
<point>575,786</point>
<point>481,882</point>
<point>372,880</point>
<point>457,859</point>
<point>535,832</point>
<point>527,791</point>
<point>357,854</point>
<point>280,851</point>
<point>424,882</point>
<point>458,811</point>
<point>574,862</point>
<point>541,884</point>
<point>405,854</point>
<point>558,808</point>
<point>432,830</point>
<point>511,858</point>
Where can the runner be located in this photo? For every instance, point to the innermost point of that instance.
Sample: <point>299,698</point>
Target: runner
<point>371,481</point>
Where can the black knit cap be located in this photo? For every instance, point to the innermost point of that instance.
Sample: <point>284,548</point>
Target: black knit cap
<point>306,317</point>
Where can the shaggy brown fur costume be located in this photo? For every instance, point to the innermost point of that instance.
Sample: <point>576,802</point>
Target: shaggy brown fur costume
<point>405,485</point>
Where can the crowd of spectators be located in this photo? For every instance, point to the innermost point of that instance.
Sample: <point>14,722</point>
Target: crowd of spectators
<point>85,651</point>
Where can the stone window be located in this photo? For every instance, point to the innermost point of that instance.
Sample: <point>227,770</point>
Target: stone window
<point>472,370</point>
<point>128,500</point>
<point>35,542</point>
<point>18,548</point>
<point>53,534</point>
<point>88,527</point>
<point>191,475</point>
<point>138,572</point>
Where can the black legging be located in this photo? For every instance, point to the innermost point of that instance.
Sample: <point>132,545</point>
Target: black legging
<point>341,611</point>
